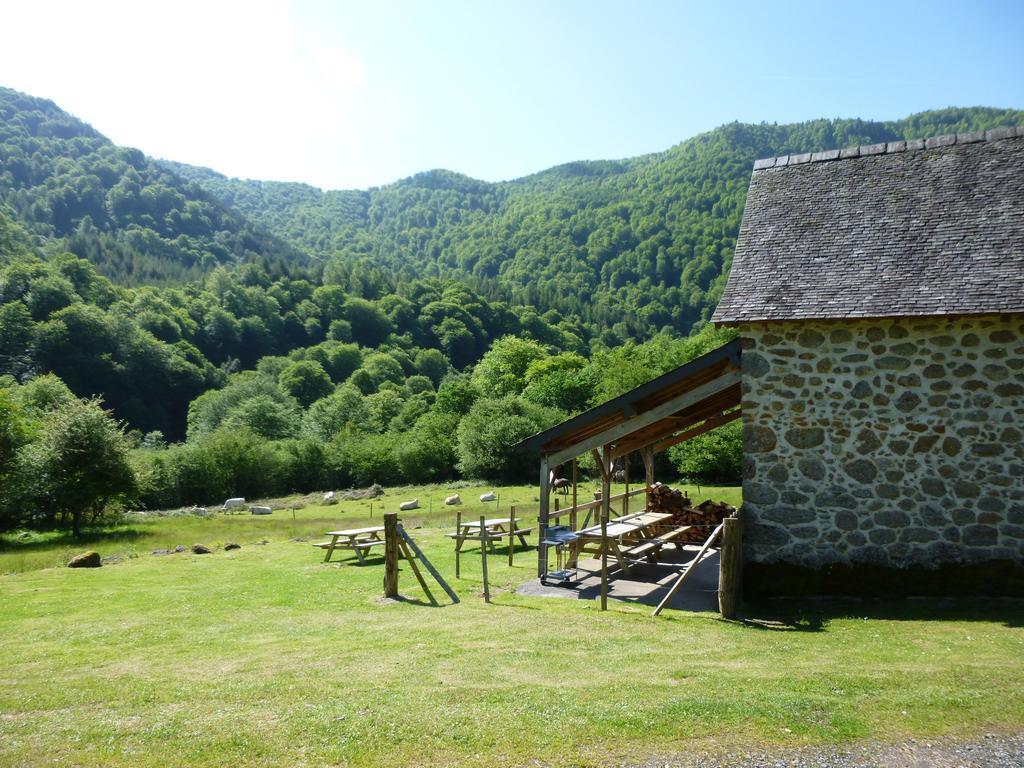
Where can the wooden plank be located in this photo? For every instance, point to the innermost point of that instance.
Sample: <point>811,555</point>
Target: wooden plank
<point>390,554</point>
<point>572,514</point>
<point>416,571</point>
<point>691,566</point>
<point>712,423</point>
<point>428,565</point>
<point>728,378</point>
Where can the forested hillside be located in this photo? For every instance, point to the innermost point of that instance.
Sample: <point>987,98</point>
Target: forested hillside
<point>257,338</point>
<point>630,247</point>
<point>130,216</point>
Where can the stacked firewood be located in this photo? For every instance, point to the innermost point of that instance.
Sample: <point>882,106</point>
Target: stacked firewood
<point>704,517</point>
<point>662,498</point>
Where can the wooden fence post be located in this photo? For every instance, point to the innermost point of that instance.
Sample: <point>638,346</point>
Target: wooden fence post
<point>391,554</point>
<point>572,515</point>
<point>511,533</point>
<point>484,540</point>
<point>606,501</point>
<point>458,540</point>
<point>730,566</point>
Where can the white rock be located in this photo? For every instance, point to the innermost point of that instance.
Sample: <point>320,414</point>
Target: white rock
<point>405,506</point>
<point>453,499</point>
<point>489,496</point>
<point>330,498</point>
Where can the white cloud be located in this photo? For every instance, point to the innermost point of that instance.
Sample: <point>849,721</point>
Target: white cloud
<point>240,87</point>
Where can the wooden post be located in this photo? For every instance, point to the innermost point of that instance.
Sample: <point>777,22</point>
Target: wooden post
<point>625,477</point>
<point>606,496</point>
<point>391,554</point>
<point>511,533</point>
<point>648,456</point>
<point>458,540</point>
<point>542,518</point>
<point>730,566</point>
<point>572,515</point>
<point>483,557</point>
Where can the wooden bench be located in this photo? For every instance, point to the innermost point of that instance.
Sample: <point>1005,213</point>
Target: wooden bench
<point>650,547</point>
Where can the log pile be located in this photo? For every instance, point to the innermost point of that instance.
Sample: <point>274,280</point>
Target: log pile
<point>704,516</point>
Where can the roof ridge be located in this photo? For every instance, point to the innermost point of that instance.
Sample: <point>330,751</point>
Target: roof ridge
<point>890,147</point>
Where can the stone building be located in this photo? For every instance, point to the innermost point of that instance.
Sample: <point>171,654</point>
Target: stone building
<point>879,295</point>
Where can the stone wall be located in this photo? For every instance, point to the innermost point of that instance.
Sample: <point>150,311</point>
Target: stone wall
<point>895,443</point>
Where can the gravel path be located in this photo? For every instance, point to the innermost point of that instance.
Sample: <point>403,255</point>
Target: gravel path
<point>989,751</point>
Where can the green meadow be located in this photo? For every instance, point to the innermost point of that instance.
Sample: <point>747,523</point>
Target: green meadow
<point>268,656</point>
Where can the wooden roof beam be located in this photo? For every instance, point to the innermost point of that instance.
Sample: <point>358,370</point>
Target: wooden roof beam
<point>728,378</point>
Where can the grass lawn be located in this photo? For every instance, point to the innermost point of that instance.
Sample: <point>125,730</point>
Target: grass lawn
<point>267,656</point>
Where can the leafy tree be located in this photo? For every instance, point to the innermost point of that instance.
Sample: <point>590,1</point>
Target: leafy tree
<point>714,457</point>
<point>488,432</point>
<point>345,407</point>
<point>427,453</point>
<point>80,462</point>
<point>502,370</point>
<point>306,381</point>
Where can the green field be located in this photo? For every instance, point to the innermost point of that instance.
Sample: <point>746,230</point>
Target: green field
<point>267,656</point>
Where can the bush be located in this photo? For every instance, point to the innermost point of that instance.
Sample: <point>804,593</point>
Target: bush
<point>714,457</point>
<point>488,432</point>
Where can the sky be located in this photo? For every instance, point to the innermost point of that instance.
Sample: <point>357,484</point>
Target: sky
<point>357,94</point>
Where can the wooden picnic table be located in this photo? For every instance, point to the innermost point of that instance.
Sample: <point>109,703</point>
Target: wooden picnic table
<point>495,528</point>
<point>641,534</point>
<point>358,540</point>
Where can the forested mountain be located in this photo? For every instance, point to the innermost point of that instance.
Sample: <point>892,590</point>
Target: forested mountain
<point>285,338</point>
<point>130,216</point>
<point>629,247</point>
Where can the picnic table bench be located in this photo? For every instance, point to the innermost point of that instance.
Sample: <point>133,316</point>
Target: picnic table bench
<point>359,540</point>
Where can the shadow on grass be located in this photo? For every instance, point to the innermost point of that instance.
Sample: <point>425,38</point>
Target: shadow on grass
<point>815,614</point>
<point>54,540</point>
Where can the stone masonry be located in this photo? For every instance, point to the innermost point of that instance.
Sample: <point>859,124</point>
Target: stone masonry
<point>895,442</point>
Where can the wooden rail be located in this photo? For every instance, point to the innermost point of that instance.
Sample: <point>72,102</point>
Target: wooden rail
<point>555,514</point>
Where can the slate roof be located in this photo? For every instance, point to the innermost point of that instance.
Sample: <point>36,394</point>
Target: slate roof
<point>926,227</point>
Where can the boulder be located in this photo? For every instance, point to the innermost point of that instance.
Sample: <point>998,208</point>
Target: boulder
<point>161,551</point>
<point>261,510</point>
<point>405,506</point>
<point>180,548</point>
<point>231,545</point>
<point>489,496</point>
<point>453,499</point>
<point>86,560</point>
<point>330,498</point>
<point>199,549</point>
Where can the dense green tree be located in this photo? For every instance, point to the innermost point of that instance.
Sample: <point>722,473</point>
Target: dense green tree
<point>502,370</point>
<point>80,464</point>
<point>488,432</point>
<point>306,381</point>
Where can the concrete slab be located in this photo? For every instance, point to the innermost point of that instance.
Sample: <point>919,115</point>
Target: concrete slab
<point>645,584</point>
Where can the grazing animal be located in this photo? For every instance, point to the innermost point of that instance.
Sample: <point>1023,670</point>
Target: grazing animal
<point>405,506</point>
<point>235,503</point>
<point>619,475</point>
<point>330,498</point>
<point>453,499</point>
<point>489,496</point>
<point>562,484</point>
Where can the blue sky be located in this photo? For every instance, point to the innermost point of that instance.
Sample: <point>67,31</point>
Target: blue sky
<point>356,94</point>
